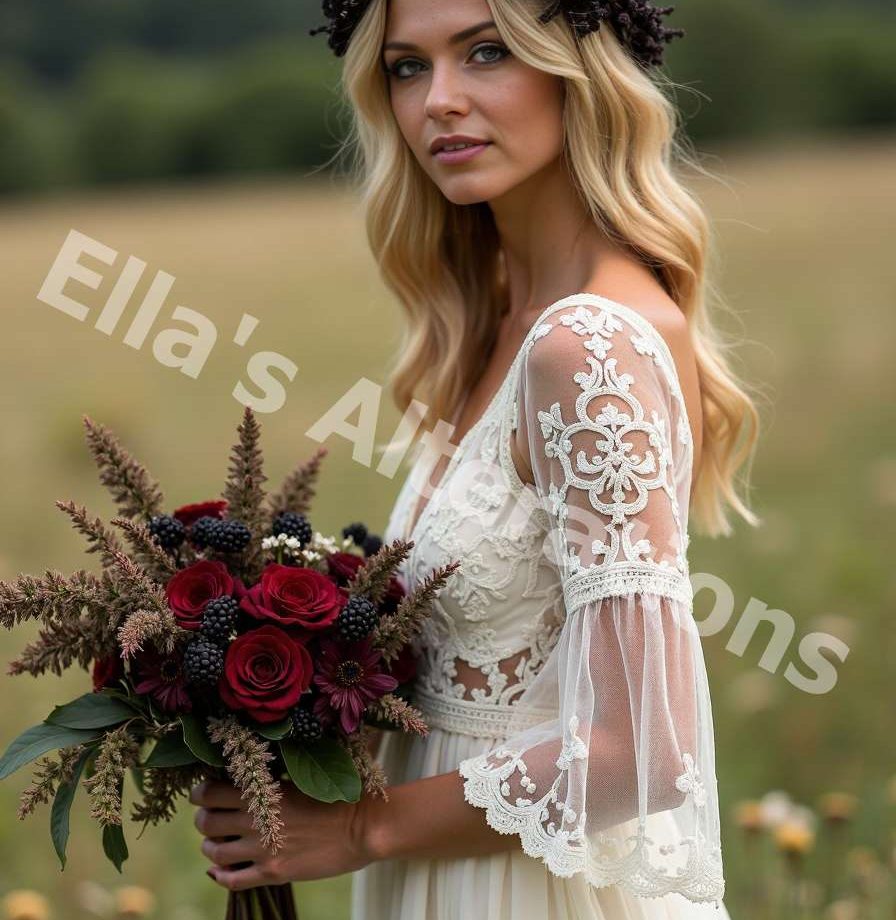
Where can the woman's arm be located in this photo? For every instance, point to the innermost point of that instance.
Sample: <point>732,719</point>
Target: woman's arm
<point>424,818</point>
<point>428,818</point>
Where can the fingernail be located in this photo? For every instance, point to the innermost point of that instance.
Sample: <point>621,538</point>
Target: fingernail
<point>210,874</point>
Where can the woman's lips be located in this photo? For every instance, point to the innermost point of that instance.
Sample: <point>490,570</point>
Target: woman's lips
<point>461,156</point>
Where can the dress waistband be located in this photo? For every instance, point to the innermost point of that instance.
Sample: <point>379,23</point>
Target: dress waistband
<point>481,720</point>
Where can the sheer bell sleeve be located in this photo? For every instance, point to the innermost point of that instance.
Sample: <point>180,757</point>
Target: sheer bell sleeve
<point>609,769</point>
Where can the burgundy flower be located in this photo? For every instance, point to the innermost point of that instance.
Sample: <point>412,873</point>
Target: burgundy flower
<point>350,676</point>
<point>106,671</point>
<point>343,566</point>
<point>190,589</point>
<point>187,514</point>
<point>404,667</point>
<point>266,670</point>
<point>394,593</point>
<point>162,678</point>
<point>292,595</point>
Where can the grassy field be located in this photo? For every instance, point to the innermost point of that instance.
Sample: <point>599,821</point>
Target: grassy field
<point>806,238</point>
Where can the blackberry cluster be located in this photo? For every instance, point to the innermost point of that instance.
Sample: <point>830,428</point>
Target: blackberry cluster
<point>219,619</point>
<point>371,544</point>
<point>360,535</point>
<point>167,531</point>
<point>226,536</point>
<point>201,530</point>
<point>357,618</point>
<point>305,724</point>
<point>292,524</point>
<point>357,531</point>
<point>203,662</point>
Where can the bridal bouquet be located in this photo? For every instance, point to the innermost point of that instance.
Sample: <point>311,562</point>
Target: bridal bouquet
<point>226,640</point>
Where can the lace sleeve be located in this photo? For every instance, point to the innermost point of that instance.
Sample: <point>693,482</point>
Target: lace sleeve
<point>619,782</point>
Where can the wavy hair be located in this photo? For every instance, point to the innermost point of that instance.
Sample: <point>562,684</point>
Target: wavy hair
<point>443,261</point>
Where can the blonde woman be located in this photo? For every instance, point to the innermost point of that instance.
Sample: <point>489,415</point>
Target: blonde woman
<point>517,160</point>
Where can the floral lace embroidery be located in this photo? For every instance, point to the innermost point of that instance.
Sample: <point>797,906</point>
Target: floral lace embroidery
<point>615,468</point>
<point>565,851</point>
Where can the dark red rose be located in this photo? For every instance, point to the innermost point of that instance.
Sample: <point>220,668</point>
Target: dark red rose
<point>266,670</point>
<point>343,566</point>
<point>192,588</point>
<point>106,671</point>
<point>404,667</point>
<point>292,595</point>
<point>187,514</point>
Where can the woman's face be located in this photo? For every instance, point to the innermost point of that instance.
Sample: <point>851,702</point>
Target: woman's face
<point>469,84</point>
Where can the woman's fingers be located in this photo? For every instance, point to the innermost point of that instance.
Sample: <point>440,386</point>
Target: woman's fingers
<point>240,879</point>
<point>215,793</point>
<point>214,822</point>
<point>228,852</point>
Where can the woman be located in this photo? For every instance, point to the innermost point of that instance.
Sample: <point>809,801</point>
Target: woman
<point>522,205</point>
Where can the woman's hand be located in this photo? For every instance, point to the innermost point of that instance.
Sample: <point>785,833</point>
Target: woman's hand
<point>320,839</point>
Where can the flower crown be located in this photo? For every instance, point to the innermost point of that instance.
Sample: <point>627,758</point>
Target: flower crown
<point>637,23</point>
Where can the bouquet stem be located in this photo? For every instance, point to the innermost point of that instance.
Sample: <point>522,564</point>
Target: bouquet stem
<point>267,902</point>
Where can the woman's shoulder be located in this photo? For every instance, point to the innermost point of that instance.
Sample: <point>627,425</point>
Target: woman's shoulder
<point>663,319</point>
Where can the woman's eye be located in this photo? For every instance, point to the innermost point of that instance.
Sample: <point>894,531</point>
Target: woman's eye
<point>502,52</point>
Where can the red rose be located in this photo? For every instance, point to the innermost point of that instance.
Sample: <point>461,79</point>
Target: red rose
<point>294,596</point>
<point>192,588</point>
<point>106,671</point>
<point>266,670</point>
<point>343,566</point>
<point>187,514</point>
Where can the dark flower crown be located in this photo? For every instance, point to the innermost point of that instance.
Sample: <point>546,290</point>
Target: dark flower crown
<point>637,23</point>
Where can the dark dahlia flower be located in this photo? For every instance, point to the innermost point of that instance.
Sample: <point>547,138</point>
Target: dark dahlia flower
<point>350,676</point>
<point>162,678</point>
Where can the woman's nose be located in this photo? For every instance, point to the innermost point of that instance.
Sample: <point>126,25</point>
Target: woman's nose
<point>447,94</point>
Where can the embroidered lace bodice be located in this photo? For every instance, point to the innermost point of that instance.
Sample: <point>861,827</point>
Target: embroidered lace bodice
<point>567,635</point>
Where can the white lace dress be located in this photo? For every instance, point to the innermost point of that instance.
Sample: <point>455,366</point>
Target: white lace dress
<point>562,672</point>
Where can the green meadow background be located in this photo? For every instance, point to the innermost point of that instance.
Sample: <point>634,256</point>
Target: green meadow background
<point>805,234</point>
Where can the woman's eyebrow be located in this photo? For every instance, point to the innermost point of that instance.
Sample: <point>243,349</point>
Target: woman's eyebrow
<point>459,37</point>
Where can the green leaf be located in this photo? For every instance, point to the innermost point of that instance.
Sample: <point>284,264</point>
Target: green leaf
<point>273,730</point>
<point>38,740</point>
<point>323,770</point>
<point>62,806</point>
<point>114,845</point>
<point>197,740</point>
<point>92,710</point>
<point>170,751</point>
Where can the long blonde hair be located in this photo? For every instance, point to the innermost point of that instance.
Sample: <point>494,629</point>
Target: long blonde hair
<point>443,261</point>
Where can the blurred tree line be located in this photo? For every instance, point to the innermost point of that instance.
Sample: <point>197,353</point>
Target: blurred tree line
<point>95,91</point>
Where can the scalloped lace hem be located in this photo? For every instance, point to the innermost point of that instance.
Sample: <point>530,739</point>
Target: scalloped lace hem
<point>565,858</point>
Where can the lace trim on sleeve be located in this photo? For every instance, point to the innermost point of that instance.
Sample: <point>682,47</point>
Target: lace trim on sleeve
<point>560,841</point>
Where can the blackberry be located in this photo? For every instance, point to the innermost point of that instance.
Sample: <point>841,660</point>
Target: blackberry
<point>229,536</point>
<point>167,531</point>
<point>201,530</point>
<point>372,544</point>
<point>305,724</point>
<point>357,532</point>
<point>357,618</point>
<point>219,619</point>
<point>203,662</point>
<point>293,525</point>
